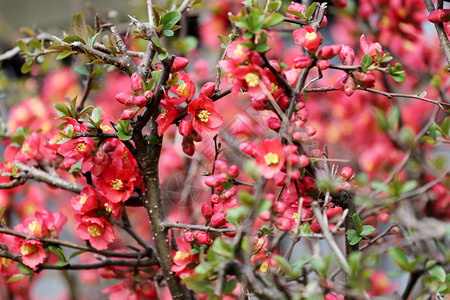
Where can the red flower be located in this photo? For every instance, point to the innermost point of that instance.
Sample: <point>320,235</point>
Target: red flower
<point>184,91</point>
<point>182,258</point>
<point>97,230</point>
<point>370,48</point>
<point>85,202</point>
<point>270,158</point>
<point>205,119</point>
<point>77,148</point>
<point>30,149</point>
<point>32,253</point>
<point>308,38</point>
<point>117,185</point>
<point>166,117</point>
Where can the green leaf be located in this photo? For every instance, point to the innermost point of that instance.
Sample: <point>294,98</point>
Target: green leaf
<point>366,61</point>
<point>408,186</point>
<point>76,253</point>
<point>24,269</point>
<point>153,140</point>
<point>123,136</point>
<point>380,186</point>
<point>16,277</point>
<point>273,19</point>
<point>266,230</point>
<point>366,230</point>
<point>261,48</point>
<point>22,46</point>
<point>64,54</point>
<point>353,237</point>
<point>399,258</point>
<point>96,114</point>
<point>230,285</point>
<point>27,67</point>
<point>199,283</point>
<point>284,264</point>
<point>79,27</point>
<point>297,14</point>
<point>358,224</point>
<point>35,44</point>
<point>221,248</point>
<point>58,251</point>
<point>310,10</point>
<point>170,19</point>
<point>168,32</point>
<point>437,271</point>
<point>445,126</point>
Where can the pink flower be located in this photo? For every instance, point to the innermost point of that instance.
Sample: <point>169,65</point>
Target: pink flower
<point>117,185</point>
<point>295,7</point>
<point>308,38</point>
<point>32,253</point>
<point>166,117</point>
<point>30,149</point>
<point>182,258</point>
<point>77,148</point>
<point>185,91</point>
<point>97,230</point>
<point>85,202</point>
<point>370,48</point>
<point>270,158</point>
<point>205,119</point>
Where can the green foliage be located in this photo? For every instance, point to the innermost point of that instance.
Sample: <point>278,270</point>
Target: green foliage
<point>396,72</point>
<point>398,256</point>
<point>356,235</point>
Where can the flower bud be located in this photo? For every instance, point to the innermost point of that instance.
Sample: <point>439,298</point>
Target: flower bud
<point>140,101</point>
<point>439,16</point>
<point>211,181</point>
<point>249,149</point>
<point>302,62</point>
<point>148,95</point>
<point>349,86</point>
<point>220,166</point>
<point>303,114</point>
<point>188,236</point>
<point>311,131</point>
<point>339,4</point>
<point>309,183</point>
<point>185,127</point>
<point>274,123</point>
<point>127,114</point>
<point>315,227</point>
<point>136,83</point>
<point>366,79</point>
<point>230,234</point>
<point>334,211</point>
<point>230,193</point>
<point>279,207</point>
<point>203,238</point>
<point>347,55</point>
<point>383,217</point>
<point>327,52</point>
<point>265,215</point>
<point>271,197</point>
<point>125,98</point>
<point>303,161</point>
<point>233,171</point>
<point>280,179</point>
<point>188,146</point>
<point>218,219</point>
<point>214,199</point>
<point>295,174</point>
<point>323,64</point>
<point>275,64</point>
<point>207,211</point>
<point>282,223</point>
<point>208,89</point>
<point>346,173</point>
<point>179,63</point>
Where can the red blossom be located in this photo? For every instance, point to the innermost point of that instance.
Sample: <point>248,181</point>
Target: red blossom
<point>205,119</point>
<point>308,38</point>
<point>185,91</point>
<point>97,230</point>
<point>270,158</point>
<point>166,117</point>
<point>117,185</point>
<point>77,148</point>
<point>32,253</point>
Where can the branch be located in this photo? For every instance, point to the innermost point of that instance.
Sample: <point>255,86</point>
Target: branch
<point>101,264</point>
<point>104,135</point>
<point>12,184</point>
<point>167,224</point>
<point>443,39</point>
<point>72,245</point>
<point>50,179</point>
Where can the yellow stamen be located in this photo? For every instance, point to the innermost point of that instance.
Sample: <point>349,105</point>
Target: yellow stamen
<point>35,227</point>
<point>264,267</point>
<point>83,199</point>
<point>252,79</point>
<point>105,128</point>
<point>5,262</point>
<point>95,230</point>
<point>182,90</point>
<point>274,88</point>
<point>81,147</point>
<point>117,184</point>
<point>239,51</point>
<point>230,78</point>
<point>271,158</point>
<point>203,115</point>
<point>180,255</point>
<point>107,208</point>
<point>163,112</point>
<point>56,138</point>
<point>295,217</point>
<point>311,36</point>
<point>26,148</point>
<point>28,249</point>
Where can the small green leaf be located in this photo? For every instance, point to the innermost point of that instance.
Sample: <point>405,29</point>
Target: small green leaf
<point>24,269</point>
<point>79,26</point>
<point>366,61</point>
<point>310,10</point>
<point>16,277</point>
<point>284,264</point>
<point>96,114</point>
<point>170,19</point>
<point>27,67</point>
<point>35,44</point>
<point>296,13</point>
<point>437,271</point>
<point>399,258</point>
<point>168,32</point>
<point>230,285</point>
<point>352,237</point>
<point>380,186</point>
<point>273,19</point>
<point>199,283</point>
<point>261,48</point>
<point>366,230</point>
<point>58,251</point>
<point>76,253</point>
<point>123,136</point>
<point>22,46</point>
<point>358,224</point>
<point>408,186</point>
<point>153,140</point>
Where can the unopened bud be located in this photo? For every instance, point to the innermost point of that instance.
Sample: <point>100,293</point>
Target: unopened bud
<point>179,63</point>
<point>136,83</point>
<point>208,89</point>
<point>125,98</point>
<point>439,16</point>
